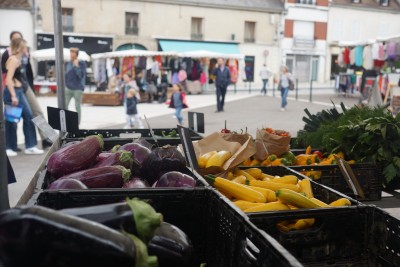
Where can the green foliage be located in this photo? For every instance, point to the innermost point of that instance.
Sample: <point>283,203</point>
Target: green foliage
<point>364,134</point>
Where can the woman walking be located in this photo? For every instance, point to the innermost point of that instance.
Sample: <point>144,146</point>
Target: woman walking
<point>285,78</point>
<point>14,95</point>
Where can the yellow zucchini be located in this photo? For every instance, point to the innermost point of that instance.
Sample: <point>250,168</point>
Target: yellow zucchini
<point>255,172</point>
<point>287,179</point>
<point>243,205</point>
<point>238,191</point>
<point>241,179</point>
<point>273,186</point>
<point>241,172</point>
<point>269,194</point>
<point>319,202</point>
<point>305,186</point>
<point>296,199</point>
<point>341,202</point>
<point>268,207</point>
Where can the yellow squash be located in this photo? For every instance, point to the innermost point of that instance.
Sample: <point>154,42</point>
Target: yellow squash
<point>268,207</point>
<point>341,202</point>
<point>319,202</point>
<point>255,172</point>
<point>218,159</point>
<point>241,179</point>
<point>269,194</point>
<point>305,186</point>
<point>243,205</point>
<point>287,179</point>
<point>273,186</point>
<point>202,161</point>
<point>296,199</point>
<point>244,173</point>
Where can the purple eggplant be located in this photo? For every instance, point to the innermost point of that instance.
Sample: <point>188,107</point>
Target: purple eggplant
<point>143,142</point>
<point>67,184</point>
<point>75,157</point>
<point>102,156</point>
<point>139,155</point>
<point>175,179</point>
<point>135,183</point>
<point>123,158</point>
<point>102,177</point>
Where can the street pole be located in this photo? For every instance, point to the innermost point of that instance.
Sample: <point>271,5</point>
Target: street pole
<point>297,89</point>
<point>273,89</point>
<point>59,46</point>
<point>311,90</point>
<point>4,201</point>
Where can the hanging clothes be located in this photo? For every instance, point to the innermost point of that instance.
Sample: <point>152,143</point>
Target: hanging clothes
<point>381,53</point>
<point>368,62</point>
<point>391,51</point>
<point>233,69</point>
<point>358,56</point>
<point>379,63</point>
<point>352,56</point>
<point>175,78</point>
<point>340,60</point>
<point>346,56</point>
<point>142,63</point>
<point>375,51</point>
<point>128,65</point>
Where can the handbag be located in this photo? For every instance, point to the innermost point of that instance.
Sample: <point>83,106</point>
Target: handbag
<point>12,113</point>
<point>291,85</point>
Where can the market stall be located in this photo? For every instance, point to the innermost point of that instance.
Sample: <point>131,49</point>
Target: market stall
<point>46,84</point>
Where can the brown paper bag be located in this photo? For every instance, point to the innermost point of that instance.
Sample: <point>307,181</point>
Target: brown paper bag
<point>275,144</point>
<point>214,141</point>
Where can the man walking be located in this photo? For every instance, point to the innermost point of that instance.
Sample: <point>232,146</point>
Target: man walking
<point>265,74</point>
<point>222,80</point>
<point>75,77</point>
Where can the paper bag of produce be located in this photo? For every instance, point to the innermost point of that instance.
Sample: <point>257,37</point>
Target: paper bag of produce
<point>276,143</point>
<point>214,141</point>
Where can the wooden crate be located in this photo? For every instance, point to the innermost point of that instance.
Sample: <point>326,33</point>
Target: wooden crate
<point>101,99</point>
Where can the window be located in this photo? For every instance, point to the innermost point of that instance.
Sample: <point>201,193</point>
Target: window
<point>249,32</point>
<point>132,23</point>
<point>197,29</point>
<point>306,2</point>
<point>67,19</point>
<point>303,34</point>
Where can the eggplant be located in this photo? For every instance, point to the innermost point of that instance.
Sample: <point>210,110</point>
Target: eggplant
<point>175,179</point>
<point>38,236</point>
<point>75,157</point>
<point>123,158</point>
<point>102,177</point>
<point>143,142</point>
<point>102,156</point>
<point>67,184</point>
<point>170,244</point>
<point>139,155</point>
<point>135,183</point>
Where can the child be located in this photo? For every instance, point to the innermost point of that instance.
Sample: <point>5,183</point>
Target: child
<point>178,102</point>
<point>131,110</point>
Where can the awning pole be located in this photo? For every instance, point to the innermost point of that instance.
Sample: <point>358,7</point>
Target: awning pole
<point>59,45</point>
<point>4,201</point>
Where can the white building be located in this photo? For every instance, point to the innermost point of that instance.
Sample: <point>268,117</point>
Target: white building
<point>235,26</point>
<point>359,21</point>
<point>16,15</point>
<point>304,41</point>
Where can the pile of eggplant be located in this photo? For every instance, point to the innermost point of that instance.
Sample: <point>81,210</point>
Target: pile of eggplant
<point>122,234</point>
<point>84,164</point>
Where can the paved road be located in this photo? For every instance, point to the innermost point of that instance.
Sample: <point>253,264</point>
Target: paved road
<point>241,110</point>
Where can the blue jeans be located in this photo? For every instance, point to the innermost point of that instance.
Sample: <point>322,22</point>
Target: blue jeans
<point>264,88</point>
<point>28,126</point>
<point>284,93</point>
<point>178,114</point>
<point>221,92</point>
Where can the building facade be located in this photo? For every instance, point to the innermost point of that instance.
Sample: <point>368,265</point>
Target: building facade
<point>304,41</point>
<point>359,21</point>
<point>251,26</point>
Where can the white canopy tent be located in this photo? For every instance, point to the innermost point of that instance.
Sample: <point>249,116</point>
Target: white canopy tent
<point>132,53</point>
<point>209,54</point>
<point>50,54</point>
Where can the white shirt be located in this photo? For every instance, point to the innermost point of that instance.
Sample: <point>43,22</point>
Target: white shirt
<point>265,73</point>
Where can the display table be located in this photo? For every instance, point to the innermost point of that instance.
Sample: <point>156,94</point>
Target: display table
<point>44,87</point>
<point>101,99</point>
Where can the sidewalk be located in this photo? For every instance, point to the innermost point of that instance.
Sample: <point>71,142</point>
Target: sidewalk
<point>241,110</point>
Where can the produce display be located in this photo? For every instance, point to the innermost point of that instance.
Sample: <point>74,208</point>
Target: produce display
<point>366,134</point>
<point>126,234</point>
<point>131,165</point>
<point>213,158</point>
<point>254,191</point>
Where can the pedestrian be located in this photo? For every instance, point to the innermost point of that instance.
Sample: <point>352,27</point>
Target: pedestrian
<point>132,115</point>
<point>163,87</point>
<point>14,95</point>
<point>222,80</point>
<point>265,73</point>
<point>155,69</point>
<point>127,84</point>
<point>75,78</point>
<point>178,102</point>
<point>27,75</point>
<point>284,81</point>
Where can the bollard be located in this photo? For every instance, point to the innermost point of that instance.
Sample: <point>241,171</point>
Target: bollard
<point>297,89</point>
<point>311,91</point>
<point>234,88</point>
<point>249,87</point>
<point>273,89</point>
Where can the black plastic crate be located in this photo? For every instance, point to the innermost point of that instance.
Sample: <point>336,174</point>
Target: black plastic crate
<point>322,192</point>
<point>355,236</point>
<point>114,137</point>
<point>369,175</point>
<point>220,235</point>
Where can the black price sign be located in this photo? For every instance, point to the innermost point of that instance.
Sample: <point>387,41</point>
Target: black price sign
<point>188,148</point>
<point>63,120</point>
<point>196,121</point>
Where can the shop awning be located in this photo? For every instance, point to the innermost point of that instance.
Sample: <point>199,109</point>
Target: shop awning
<point>50,54</point>
<point>132,53</point>
<point>189,46</point>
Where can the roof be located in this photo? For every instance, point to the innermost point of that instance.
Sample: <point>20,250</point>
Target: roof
<point>15,4</point>
<point>373,5</point>
<point>252,5</point>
